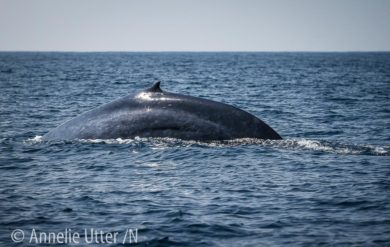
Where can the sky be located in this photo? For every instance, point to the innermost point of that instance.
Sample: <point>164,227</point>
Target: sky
<point>194,25</point>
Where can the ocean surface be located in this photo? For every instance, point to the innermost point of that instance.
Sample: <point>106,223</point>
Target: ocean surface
<point>327,183</point>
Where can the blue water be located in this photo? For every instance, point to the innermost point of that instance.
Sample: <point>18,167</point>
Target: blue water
<point>326,183</point>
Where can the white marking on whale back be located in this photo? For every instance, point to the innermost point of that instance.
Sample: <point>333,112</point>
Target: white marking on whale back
<point>149,97</point>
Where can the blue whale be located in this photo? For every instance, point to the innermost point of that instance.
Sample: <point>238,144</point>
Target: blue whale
<point>157,113</point>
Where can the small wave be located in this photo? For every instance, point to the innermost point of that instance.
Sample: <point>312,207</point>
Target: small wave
<point>342,148</point>
<point>290,144</point>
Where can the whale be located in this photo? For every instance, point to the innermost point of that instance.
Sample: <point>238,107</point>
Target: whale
<point>154,112</point>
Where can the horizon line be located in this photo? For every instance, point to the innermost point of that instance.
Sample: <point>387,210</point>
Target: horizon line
<point>200,51</point>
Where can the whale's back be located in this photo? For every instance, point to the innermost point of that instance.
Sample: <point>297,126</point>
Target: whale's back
<point>155,113</point>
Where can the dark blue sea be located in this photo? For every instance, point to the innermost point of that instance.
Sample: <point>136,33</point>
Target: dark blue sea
<point>327,183</point>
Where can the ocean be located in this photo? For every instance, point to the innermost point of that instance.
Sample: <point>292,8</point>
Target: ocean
<point>326,183</point>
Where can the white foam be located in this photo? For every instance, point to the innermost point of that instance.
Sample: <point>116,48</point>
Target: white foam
<point>160,143</point>
<point>34,140</point>
<point>335,147</point>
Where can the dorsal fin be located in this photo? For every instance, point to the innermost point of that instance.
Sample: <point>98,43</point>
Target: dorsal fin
<point>155,88</point>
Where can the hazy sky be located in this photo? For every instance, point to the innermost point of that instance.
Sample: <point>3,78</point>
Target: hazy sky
<point>195,25</point>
